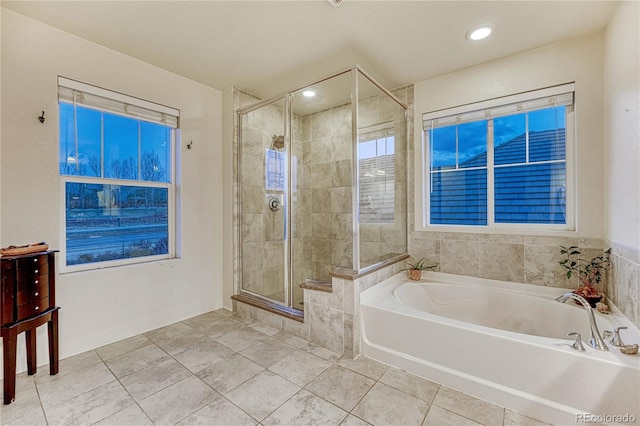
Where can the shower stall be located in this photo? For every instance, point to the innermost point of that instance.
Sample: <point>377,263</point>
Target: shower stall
<point>322,185</point>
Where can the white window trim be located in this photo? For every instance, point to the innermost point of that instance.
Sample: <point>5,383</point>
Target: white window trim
<point>422,172</point>
<point>171,186</point>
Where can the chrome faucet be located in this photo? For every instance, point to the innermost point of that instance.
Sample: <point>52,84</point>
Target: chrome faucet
<point>595,339</point>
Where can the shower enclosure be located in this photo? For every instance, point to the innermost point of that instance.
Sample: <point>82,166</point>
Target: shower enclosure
<point>322,185</point>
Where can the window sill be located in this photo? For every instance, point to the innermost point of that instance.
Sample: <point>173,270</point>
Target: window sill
<point>515,230</point>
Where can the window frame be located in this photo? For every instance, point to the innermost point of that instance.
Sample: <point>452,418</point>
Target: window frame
<point>423,170</point>
<point>170,186</point>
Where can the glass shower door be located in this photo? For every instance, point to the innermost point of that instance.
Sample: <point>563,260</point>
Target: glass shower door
<point>263,201</point>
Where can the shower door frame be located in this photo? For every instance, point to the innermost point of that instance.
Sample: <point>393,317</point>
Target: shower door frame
<point>288,290</point>
<point>288,193</point>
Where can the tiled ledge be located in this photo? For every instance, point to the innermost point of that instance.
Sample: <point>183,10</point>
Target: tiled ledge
<point>274,308</point>
<point>318,285</point>
<point>350,274</point>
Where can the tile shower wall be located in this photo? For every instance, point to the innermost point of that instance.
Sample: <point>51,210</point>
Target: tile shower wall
<point>624,280</point>
<point>325,190</point>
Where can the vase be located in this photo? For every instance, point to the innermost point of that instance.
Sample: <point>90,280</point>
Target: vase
<point>591,299</point>
<point>415,274</point>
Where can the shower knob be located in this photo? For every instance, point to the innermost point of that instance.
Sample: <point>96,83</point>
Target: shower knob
<point>274,204</point>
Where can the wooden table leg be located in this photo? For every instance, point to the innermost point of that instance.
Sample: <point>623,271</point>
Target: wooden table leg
<point>9,339</point>
<point>52,326</point>
<point>30,339</point>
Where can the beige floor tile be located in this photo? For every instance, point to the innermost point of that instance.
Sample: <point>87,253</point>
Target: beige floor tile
<point>384,405</point>
<point>136,360</point>
<point>223,312</point>
<point>292,340</point>
<point>268,352</point>
<point>123,346</point>
<point>168,331</point>
<point>68,365</point>
<point>468,406</point>
<point>60,388</point>
<point>204,355</point>
<point>264,328</point>
<point>220,327</point>
<point>341,387</point>
<point>154,378</point>
<point>179,343</point>
<point>262,394</point>
<point>365,366</point>
<point>132,416</point>
<point>178,401</point>
<point>202,321</point>
<point>244,320</point>
<point>241,338</point>
<point>230,373</point>
<point>352,420</point>
<point>305,408</point>
<point>512,418</point>
<point>440,417</point>
<point>413,385</point>
<point>90,407</point>
<point>34,418</point>
<point>26,403</point>
<point>323,353</point>
<point>219,413</point>
<point>300,367</point>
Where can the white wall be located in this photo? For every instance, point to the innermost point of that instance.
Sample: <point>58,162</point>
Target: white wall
<point>622,155</point>
<point>102,306</point>
<point>622,125</point>
<point>577,60</point>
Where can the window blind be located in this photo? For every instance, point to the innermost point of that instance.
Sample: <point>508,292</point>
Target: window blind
<point>83,94</point>
<point>499,107</point>
<point>378,131</point>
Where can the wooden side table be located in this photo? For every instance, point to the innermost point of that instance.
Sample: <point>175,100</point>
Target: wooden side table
<point>27,301</point>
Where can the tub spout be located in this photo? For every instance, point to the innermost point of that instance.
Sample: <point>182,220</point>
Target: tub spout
<point>595,339</point>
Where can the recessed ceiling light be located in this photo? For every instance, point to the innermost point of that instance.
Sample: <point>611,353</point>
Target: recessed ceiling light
<point>480,33</point>
<point>309,93</point>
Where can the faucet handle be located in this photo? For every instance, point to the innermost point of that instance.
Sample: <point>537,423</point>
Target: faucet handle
<point>577,344</point>
<point>616,340</point>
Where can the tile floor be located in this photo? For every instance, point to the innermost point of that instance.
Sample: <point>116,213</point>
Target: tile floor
<point>221,369</point>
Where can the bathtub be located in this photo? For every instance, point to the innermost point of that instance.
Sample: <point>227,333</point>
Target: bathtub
<point>503,342</point>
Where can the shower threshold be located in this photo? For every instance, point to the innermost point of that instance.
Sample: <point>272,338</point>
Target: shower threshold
<point>291,313</point>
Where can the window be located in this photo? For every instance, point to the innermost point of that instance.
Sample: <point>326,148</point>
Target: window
<point>116,157</point>
<point>376,158</point>
<point>501,162</point>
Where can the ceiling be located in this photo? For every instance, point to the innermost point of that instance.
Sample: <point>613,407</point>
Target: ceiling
<point>269,47</point>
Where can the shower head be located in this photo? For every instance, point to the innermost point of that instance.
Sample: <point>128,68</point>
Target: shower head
<point>277,142</point>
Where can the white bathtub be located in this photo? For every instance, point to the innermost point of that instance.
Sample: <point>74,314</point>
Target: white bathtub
<point>503,342</point>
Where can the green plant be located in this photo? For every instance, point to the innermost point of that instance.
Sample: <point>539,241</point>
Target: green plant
<point>588,271</point>
<point>419,265</point>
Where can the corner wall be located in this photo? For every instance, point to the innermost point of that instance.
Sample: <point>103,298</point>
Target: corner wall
<point>102,306</point>
<point>622,155</point>
<point>520,256</point>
